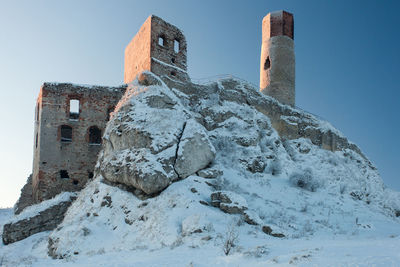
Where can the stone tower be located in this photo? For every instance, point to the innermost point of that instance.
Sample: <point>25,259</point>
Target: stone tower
<point>277,67</point>
<point>69,123</point>
<point>158,47</point>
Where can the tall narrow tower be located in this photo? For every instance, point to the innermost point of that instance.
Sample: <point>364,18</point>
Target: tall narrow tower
<point>277,67</point>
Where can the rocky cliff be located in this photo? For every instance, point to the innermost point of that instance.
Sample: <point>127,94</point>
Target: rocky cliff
<point>217,166</point>
<point>199,164</point>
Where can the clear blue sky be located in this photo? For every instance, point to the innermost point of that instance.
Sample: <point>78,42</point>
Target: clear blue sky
<point>347,62</point>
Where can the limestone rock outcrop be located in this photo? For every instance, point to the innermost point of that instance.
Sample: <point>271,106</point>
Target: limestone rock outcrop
<point>195,150</point>
<point>152,140</point>
<point>237,149</point>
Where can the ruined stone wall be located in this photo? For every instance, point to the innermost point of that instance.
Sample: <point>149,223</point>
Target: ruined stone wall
<point>169,59</point>
<point>44,220</point>
<point>61,164</point>
<point>25,199</point>
<point>277,65</point>
<point>158,47</point>
<point>137,53</point>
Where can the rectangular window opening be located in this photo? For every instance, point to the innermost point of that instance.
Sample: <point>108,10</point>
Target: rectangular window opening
<point>66,133</point>
<point>161,40</point>
<point>74,109</point>
<point>176,46</point>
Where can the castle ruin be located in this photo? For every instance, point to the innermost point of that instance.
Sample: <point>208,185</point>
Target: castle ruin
<point>70,119</point>
<point>158,47</point>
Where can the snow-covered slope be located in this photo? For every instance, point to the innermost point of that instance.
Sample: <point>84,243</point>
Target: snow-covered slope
<point>328,207</point>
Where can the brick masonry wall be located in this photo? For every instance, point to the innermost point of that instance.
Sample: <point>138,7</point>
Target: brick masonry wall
<point>137,53</point>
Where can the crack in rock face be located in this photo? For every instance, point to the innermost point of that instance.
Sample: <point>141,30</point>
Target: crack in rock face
<point>152,141</point>
<point>195,151</point>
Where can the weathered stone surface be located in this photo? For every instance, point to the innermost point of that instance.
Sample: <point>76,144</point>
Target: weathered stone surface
<point>26,198</point>
<point>144,171</point>
<point>195,150</point>
<point>251,217</point>
<point>141,140</point>
<point>229,202</point>
<point>268,230</point>
<point>255,164</point>
<point>151,141</point>
<point>45,220</point>
<point>210,173</point>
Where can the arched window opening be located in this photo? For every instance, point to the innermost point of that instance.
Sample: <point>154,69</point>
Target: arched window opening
<point>74,109</point>
<point>177,46</point>
<point>64,174</point>
<point>66,133</point>
<point>36,140</point>
<point>94,136</point>
<point>162,41</point>
<point>267,64</point>
<point>173,73</point>
<point>75,182</point>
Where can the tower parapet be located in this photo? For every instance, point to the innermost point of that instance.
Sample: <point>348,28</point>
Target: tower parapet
<point>277,66</point>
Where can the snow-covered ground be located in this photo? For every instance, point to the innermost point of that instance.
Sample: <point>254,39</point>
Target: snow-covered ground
<point>358,249</point>
<point>321,228</point>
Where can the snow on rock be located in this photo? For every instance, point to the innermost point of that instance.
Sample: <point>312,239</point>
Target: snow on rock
<point>150,141</point>
<point>195,150</point>
<point>229,202</point>
<point>210,173</point>
<point>251,217</point>
<point>33,210</point>
<point>295,188</point>
<point>264,183</point>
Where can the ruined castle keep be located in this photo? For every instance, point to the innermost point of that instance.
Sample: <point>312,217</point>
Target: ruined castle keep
<point>70,119</point>
<point>277,67</point>
<point>69,123</point>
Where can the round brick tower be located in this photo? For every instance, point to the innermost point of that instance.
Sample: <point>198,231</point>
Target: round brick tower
<point>277,67</point>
